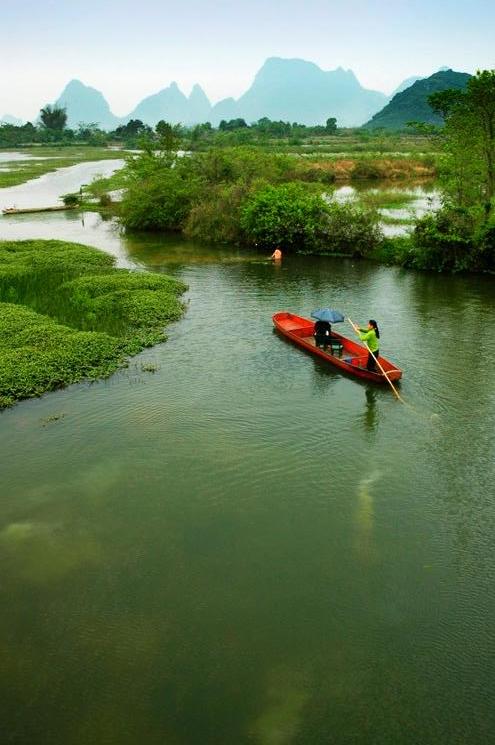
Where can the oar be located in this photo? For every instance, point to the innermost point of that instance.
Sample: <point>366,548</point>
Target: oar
<point>379,365</point>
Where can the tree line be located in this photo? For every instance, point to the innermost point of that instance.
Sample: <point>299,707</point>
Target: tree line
<point>52,128</point>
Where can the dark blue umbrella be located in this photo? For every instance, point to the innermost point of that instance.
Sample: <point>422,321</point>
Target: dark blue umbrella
<point>328,314</point>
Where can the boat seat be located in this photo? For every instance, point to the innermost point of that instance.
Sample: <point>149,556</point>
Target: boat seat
<point>335,344</point>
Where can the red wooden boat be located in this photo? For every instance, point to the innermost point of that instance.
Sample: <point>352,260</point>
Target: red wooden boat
<point>352,357</point>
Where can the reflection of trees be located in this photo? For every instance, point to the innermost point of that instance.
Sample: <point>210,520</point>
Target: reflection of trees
<point>453,314</point>
<point>426,185</point>
<point>171,250</point>
<point>451,319</point>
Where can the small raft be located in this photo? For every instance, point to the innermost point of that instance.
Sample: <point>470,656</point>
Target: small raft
<point>350,356</point>
<point>26,210</point>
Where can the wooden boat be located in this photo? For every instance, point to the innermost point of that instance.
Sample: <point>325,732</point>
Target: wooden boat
<point>351,357</point>
<point>26,210</point>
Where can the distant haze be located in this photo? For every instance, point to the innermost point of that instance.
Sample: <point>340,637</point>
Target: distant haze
<point>131,50</point>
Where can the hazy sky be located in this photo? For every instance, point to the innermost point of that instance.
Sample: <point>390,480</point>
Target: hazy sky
<point>131,49</point>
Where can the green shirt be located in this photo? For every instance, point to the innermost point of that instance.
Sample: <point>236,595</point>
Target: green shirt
<point>369,337</point>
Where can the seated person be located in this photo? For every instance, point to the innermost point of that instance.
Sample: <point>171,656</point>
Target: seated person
<point>322,333</point>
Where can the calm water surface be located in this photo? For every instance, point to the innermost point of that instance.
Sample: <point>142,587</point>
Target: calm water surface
<point>246,546</point>
<point>46,190</point>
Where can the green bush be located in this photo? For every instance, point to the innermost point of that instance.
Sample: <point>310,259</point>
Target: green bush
<point>217,218</point>
<point>288,216</point>
<point>485,253</point>
<point>71,200</point>
<point>105,200</point>
<point>351,229</point>
<point>247,164</point>
<point>162,201</point>
<point>443,242</point>
<point>396,250</point>
<point>294,218</point>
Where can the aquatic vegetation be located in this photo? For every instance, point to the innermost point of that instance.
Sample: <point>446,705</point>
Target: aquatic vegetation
<point>365,517</point>
<point>132,305</point>
<point>287,693</point>
<point>66,315</point>
<point>37,354</point>
<point>387,198</point>
<point>151,367</point>
<point>45,552</point>
<point>52,418</point>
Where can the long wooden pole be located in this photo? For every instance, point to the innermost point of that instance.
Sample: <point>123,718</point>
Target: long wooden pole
<point>399,397</point>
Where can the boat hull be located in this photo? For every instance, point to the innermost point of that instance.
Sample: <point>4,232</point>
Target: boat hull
<point>353,358</point>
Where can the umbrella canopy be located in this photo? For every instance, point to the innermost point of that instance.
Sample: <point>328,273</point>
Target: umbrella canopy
<point>328,314</point>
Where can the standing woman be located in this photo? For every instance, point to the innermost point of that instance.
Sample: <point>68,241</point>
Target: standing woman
<point>370,337</point>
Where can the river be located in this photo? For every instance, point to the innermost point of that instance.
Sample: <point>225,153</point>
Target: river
<point>46,190</point>
<point>245,546</point>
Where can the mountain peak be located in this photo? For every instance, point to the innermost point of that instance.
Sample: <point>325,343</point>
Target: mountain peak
<point>200,106</point>
<point>412,104</point>
<point>297,90</point>
<point>85,104</point>
<point>169,104</point>
<point>75,83</point>
<point>276,66</point>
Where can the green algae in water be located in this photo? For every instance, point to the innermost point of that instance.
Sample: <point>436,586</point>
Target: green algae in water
<point>66,315</point>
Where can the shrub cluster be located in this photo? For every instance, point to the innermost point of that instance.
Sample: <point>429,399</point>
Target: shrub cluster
<point>246,197</point>
<point>451,240</point>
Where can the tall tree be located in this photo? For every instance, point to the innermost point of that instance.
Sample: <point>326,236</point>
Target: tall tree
<point>54,118</point>
<point>331,125</point>
<point>470,140</point>
<point>169,135</point>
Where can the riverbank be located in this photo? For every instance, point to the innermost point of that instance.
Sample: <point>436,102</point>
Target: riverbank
<point>250,198</point>
<point>67,315</point>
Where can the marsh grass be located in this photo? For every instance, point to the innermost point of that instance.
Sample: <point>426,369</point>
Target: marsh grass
<point>67,315</point>
<point>357,167</point>
<point>389,220</point>
<point>387,199</point>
